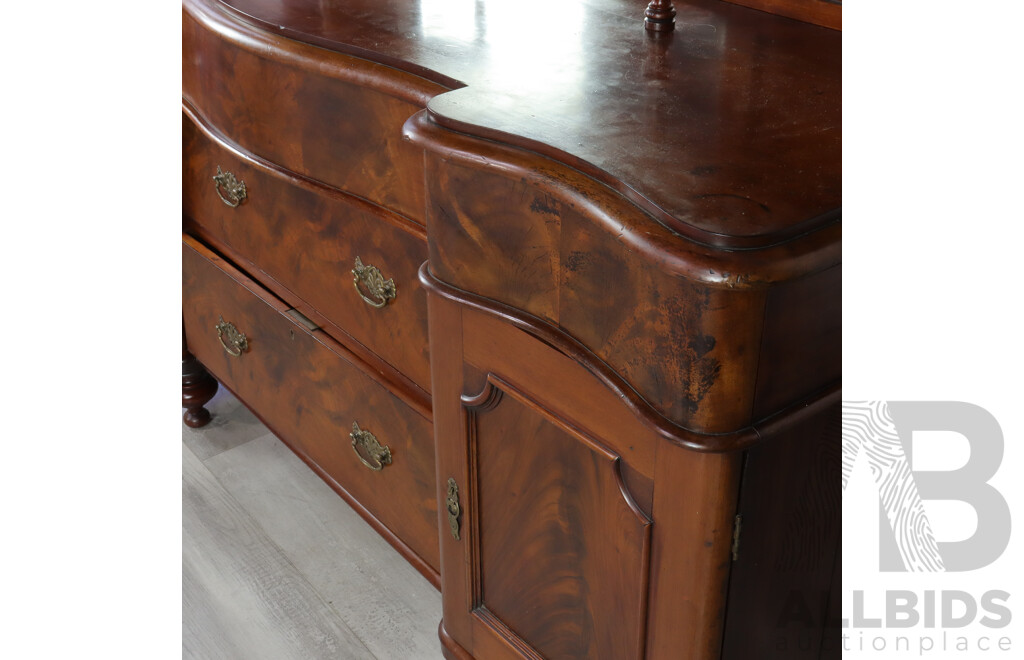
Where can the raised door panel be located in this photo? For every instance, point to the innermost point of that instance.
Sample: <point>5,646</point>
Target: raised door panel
<point>562,551</point>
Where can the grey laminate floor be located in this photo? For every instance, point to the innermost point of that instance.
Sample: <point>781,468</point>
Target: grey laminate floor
<point>276,566</point>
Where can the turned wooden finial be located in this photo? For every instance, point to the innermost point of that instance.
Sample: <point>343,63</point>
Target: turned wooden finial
<point>660,16</point>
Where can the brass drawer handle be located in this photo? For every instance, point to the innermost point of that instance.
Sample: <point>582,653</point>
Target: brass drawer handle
<point>234,190</point>
<point>233,341</point>
<point>375,284</point>
<point>452,504</point>
<point>369,451</point>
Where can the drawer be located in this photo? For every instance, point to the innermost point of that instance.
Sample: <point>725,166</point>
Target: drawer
<point>309,239</point>
<point>311,392</point>
<point>329,116</point>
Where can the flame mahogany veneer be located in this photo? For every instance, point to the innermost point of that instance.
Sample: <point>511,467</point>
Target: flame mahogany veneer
<point>600,357</point>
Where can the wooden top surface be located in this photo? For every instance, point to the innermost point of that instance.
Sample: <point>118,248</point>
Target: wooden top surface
<point>727,130</point>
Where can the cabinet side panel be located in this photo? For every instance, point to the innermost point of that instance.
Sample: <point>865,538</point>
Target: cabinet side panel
<point>694,508</point>
<point>802,346</point>
<point>790,505</point>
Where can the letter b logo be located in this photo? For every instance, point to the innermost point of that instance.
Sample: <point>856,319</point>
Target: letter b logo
<point>883,431</point>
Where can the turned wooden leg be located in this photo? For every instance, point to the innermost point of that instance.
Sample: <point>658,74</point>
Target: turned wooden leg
<point>197,387</point>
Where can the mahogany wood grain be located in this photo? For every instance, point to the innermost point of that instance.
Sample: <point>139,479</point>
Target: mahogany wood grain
<point>400,385</point>
<point>563,549</point>
<point>307,236</point>
<point>729,130</point>
<point>327,116</point>
<point>683,329</point>
<point>616,214</point>
<point>574,351</point>
<point>534,466</point>
<point>427,570</point>
<point>689,349</point>
<point>693,497</point>
<point>630,331</point>
<point>585,405</point>
<point>617,433</point>
<point>310,391</point>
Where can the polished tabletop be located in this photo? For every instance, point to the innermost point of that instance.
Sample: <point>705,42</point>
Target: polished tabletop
<point>731,124</point>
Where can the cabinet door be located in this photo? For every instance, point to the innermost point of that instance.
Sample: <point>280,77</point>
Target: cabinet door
<point>550,547</point>
<point>561,550</point>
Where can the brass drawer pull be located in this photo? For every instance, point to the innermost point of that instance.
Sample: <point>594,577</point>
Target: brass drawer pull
<point>375,284</point>
<point>452,504</point>
<point>234,190</point>
<point>369,451</point>
<point>233,341</point>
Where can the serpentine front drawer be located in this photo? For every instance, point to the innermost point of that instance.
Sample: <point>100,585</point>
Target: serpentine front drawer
<point>316,398</point>
<point>321,114</point>
<point>353,264</point>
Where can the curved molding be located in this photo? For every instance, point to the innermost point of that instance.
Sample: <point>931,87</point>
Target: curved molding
<point>299,180</point>
<point>443,95</point>
<point>491,395</point>
<point>451,649</point>
<point>488,398</point>
<point>716,259</point>
<point>238,29</point>
<point>635,224</point>
<point>739,439</point>
<point>721,241</point>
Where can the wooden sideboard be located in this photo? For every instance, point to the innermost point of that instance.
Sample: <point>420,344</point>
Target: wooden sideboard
<point>552,300</point>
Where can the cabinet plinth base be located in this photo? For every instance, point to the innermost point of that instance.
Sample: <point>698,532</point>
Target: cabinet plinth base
<point>449,647</point>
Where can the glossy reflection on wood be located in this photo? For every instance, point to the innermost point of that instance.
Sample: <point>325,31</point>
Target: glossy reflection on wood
<point>680,325</point>
<point>567,485</point>
<point>631,328</point>
<point>729,130</point>
<point>315,113</point>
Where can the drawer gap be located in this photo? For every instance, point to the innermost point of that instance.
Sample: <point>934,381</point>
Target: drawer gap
<point>302,319</point>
